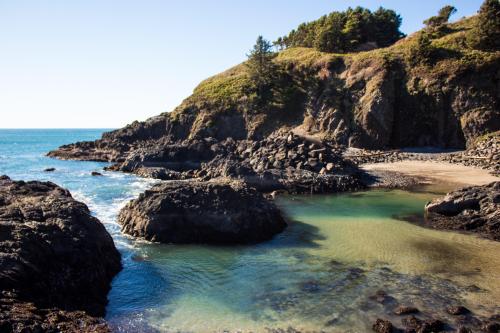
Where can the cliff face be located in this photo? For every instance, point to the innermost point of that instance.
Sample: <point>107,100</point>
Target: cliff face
<point>375,99</point>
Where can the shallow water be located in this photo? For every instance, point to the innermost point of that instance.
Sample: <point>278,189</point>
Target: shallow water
<point>319,275</point>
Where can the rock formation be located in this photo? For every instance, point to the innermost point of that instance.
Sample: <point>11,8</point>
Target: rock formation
<point>202,212</point>
<point>472,209</point>
<point>56,260</point>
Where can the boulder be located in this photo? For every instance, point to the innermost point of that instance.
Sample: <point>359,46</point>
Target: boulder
<point>202,212</point>
<point>383,326</point>
<point>473,209</point>
<point>404,310</point>
<point>54,255</point>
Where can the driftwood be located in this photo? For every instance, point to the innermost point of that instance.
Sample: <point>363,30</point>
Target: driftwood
<point>478,157</point>
<point>373,154</point>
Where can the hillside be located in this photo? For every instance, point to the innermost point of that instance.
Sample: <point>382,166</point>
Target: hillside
<point>378,99</point>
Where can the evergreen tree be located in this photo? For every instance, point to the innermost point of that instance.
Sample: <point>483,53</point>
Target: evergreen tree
<point>330,37</point>
<point>443,16</point>
<point>385,28</point>
<point>261,68</point>
<point>345,31</point>
<point>486,34</point>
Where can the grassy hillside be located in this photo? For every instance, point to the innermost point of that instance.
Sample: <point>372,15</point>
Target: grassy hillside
<point>386,97</point>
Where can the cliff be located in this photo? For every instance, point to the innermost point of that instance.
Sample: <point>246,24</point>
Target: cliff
<point>374,99</point>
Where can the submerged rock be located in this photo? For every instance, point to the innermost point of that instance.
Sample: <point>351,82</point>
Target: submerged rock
<point>95,173</point>
<point>457,310</point>
<point>413,324</point>
<point>202,212</point>
<point>404,310</point>
<point>55,258</point>
<point>473,209</point>
<point>50,169</point>
<point>383,326</point>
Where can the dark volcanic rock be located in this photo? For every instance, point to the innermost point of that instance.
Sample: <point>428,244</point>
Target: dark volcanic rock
<point>95,173</point>
<point>202,212</point>
<point>474,209</point>
<point>413,324</point>
<point>50,169</point>
<point>283,161</point>
<point>457,310</point>
<point>19,316</point>
<point>53,253</point>
<point>383,326</point>
<point>404,310</point>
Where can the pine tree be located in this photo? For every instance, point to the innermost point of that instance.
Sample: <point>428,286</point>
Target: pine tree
<point>435,23</point>
<point>486,34</point>
<point>261,67</point>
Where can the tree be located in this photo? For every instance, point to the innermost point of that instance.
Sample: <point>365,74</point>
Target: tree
<point>330,37</point>
<point>261,68</point>
<point>422,51</point>
<point>386,24</point>
<point>279,43</point>
<point>442,18</point>
<point>486,33</point>
<point>345,31</point>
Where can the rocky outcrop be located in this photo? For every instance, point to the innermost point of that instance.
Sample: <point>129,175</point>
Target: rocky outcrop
<point>202,212</point>
<point>56,260</point>
<point>283,161</point>
<point>473,209</point>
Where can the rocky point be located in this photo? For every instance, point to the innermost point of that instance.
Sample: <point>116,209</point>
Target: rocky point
<point>56,260</point>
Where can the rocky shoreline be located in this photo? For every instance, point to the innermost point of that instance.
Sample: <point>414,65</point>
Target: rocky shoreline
<point>474,209</point>
<point>56,261</point>
<point>281,162</point>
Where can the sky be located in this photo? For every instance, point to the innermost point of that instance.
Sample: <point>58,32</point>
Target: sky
<point>106,63</point>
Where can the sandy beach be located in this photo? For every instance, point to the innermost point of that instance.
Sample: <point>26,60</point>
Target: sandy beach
<point>437,171</point>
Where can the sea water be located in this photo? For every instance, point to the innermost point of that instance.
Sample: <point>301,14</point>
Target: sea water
<point>320,274</point>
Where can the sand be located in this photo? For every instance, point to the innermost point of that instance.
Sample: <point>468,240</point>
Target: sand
<point>438,171</point>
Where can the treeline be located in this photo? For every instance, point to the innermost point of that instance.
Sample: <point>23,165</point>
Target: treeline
<point>484,34</point>
<point>347,31</point>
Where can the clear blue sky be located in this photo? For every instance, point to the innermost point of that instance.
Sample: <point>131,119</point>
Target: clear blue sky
<point>103,63</point>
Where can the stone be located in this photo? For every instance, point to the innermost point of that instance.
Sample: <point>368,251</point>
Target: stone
<point>55,254</point>
<point>95,173</point>
<point>414,324</point>
<point>383,326</point>
<point>202,212</point>
<point>457,310</point>
<point>472,209</point>
<point>404,310</point>
<point>50,169</point>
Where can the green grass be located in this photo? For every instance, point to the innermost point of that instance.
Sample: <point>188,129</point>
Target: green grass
<point>304,57</point>
<point>224,88</point>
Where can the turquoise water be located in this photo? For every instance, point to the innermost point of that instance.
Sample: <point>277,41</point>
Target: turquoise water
<point>316,276</point>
